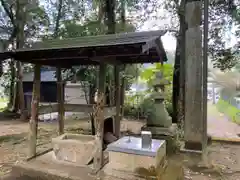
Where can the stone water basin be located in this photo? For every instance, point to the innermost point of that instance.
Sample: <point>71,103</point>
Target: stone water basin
<point>75,148</point>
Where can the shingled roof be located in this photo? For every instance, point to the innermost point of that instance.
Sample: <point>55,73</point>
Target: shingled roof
<point>124,48</point>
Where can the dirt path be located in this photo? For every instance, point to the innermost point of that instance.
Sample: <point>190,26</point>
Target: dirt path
<point>224,164</point>
<point>12,127</point>
<point>219,126</point>
<point>13,137</point>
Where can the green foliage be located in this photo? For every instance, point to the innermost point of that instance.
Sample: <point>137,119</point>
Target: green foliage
<point>135,104</point>
<point>140,103</point>
<point>224,19</point>
<point>148,74</point>
<point>77,18</point>
<point>230,111</point>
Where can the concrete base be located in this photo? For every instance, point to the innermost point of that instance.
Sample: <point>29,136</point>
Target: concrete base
<point>183,149</point>
<point>140,173</point>
<point>45,168</point>
<point>170,131</point>
<point>74,148</point>
<point>129,156</point>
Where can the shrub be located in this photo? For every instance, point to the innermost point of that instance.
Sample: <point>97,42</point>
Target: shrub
<point>143,107</point>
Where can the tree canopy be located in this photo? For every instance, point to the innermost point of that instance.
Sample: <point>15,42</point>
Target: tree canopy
<point>48,19</point>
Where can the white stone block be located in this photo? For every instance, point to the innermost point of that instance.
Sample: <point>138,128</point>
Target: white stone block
<point>129,156</point>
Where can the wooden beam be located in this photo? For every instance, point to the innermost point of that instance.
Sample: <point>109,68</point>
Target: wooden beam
<point>86,108</point>
<point>69,62</point>
<point>34,112</point>
<point>60,99</point>
<point>69,53</point>
<point>99,118</point>
<point>117,101</point>
<point>106,60</point>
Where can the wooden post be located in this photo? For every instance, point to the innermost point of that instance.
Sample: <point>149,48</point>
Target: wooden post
<point>33,123</point>
<point>193,130</point>
<point>117,101</point>
<point>99,118</point>
<point>122,93</point>
<point>60,99</point>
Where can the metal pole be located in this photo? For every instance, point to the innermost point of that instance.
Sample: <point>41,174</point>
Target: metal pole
<point>205,73</point>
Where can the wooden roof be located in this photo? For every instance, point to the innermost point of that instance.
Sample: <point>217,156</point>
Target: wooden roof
<point>125,48</point>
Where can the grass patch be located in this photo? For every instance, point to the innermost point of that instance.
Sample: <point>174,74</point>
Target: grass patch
<point>230,111</point>
<point>3,104</point>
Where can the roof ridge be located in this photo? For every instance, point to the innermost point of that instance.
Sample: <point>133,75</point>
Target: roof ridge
<point>116,35</point>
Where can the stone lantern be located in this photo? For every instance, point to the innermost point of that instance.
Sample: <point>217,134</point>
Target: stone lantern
<point>158,119</point>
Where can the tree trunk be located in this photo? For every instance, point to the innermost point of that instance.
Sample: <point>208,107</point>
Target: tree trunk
<point>59,15</point>
<point>122,86</point>
<point>20,43</point>
<point>123,15</point>
<point>12,85</point>
<point>110,15</point>
<point>179,69</point>
<point>176,85</point>
<point>183,28</point>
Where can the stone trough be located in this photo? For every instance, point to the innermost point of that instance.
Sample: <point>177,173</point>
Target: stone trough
<point>74,148</point>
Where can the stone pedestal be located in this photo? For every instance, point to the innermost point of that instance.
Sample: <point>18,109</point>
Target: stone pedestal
<point>127,155</point>
<point>161,131</point>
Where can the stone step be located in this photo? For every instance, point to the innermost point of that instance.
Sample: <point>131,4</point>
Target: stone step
<point>30,171</point>
<point>45,167</point>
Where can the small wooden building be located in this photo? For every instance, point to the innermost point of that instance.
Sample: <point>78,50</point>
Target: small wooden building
<point>48,86</point>
<point>73,92</point>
